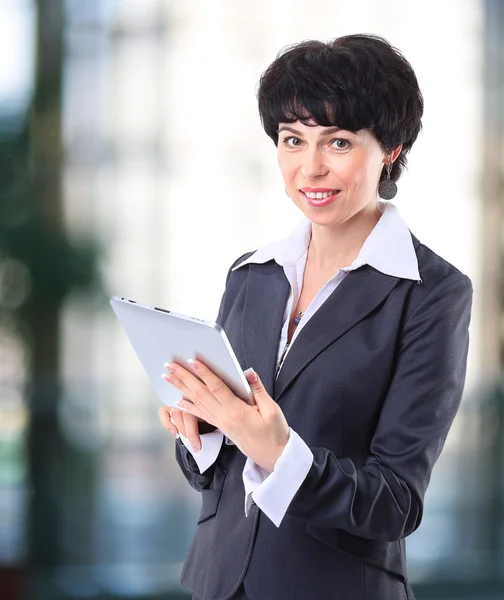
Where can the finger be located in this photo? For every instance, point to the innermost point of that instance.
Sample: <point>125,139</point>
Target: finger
<point>192,433</point>
<point>164,417</point>
<point>190,407</point>
<point>177,417</point>
<point>177,383</point>
<point>263,400</point>
<point>182,379</point>
<point>193,388</point>
<point>215,385</point>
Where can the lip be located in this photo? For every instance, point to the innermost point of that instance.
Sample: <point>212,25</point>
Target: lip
<point>323,201</point>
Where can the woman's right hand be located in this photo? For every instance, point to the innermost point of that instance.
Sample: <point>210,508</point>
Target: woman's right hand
<point>178,421</point>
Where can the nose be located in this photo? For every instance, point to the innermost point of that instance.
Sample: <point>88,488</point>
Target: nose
<point>314,164</point>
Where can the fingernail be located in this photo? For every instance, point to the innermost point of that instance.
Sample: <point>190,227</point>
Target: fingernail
<point>192,362</point>
<point>251,375</point>
<point>173,432</point>
<point>196,447</point>
<point>166,377</point>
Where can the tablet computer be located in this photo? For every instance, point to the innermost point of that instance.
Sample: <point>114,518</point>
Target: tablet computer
<point>159,336</point>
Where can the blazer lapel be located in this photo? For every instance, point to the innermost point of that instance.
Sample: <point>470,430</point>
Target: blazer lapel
<point>357,295</point>
<point>266,296</point>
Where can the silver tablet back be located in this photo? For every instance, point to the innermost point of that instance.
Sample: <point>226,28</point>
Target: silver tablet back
<point>159,336</point>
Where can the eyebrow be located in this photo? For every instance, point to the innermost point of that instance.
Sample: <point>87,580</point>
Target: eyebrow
<point>328,131</point>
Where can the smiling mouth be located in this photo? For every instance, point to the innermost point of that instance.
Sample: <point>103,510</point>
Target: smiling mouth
<point>319,198</point>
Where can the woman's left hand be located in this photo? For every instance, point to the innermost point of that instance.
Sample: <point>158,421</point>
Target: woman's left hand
<point>261,432</point>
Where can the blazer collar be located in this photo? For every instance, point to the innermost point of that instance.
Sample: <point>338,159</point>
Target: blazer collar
<point>267,291</point>
<point>357,295</point>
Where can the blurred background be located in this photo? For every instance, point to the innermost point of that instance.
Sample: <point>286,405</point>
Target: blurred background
<point>132,162</point>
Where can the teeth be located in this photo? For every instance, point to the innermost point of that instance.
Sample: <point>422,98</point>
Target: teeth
<point>319,195</point>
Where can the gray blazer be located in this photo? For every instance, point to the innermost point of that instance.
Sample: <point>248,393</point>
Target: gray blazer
<point>372,385</point>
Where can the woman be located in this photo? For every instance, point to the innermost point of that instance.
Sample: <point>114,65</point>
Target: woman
<point>357,335</point>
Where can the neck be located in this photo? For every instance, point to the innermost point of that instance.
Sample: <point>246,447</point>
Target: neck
<point>338,246</point>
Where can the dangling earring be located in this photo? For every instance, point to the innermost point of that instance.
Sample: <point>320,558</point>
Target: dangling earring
<point>387,188</point>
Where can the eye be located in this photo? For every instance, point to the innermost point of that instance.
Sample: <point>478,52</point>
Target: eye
<point>340,143</point>
<point>291,141</point>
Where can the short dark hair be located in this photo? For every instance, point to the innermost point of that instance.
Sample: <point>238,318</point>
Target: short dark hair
<point>354,82</point>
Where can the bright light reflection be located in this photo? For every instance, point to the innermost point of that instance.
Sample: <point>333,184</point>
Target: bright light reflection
<point>16,51</point>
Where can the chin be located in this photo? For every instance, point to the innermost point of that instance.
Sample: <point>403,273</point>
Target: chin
<point>327,216</point>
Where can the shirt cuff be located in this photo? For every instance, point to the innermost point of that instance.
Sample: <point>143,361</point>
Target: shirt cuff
<point>210,447</point>
<point>273,492</point>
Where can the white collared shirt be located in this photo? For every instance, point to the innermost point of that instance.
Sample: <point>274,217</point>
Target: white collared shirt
<point>389,249</point>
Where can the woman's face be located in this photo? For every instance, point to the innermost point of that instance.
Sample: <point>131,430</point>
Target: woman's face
<point>330,174</point>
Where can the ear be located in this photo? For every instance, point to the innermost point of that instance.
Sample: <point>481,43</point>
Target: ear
<point>395,153</point>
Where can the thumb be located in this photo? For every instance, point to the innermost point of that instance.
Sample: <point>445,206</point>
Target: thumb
<point>261,396</point>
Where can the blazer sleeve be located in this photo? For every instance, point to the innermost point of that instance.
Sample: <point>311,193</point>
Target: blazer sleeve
<point>383,498</point>
<point>190,470</point>
<point>183,457</point>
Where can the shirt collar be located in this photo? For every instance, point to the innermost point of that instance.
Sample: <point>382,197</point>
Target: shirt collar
<point>388,248</point>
